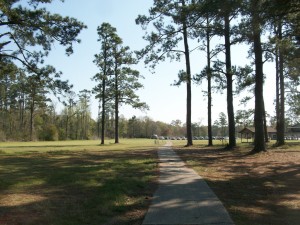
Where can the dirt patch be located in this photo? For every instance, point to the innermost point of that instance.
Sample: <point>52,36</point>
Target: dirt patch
<point>255,189</point>
<point>11,200</point>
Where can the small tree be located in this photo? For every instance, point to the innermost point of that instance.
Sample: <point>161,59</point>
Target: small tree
<point>223,122</point>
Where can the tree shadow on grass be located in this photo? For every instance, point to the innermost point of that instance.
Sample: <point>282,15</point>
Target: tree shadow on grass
<point>76,187</point>
<point>259,189</point>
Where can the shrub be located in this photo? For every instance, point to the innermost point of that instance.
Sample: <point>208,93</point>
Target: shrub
<point>49,133</point>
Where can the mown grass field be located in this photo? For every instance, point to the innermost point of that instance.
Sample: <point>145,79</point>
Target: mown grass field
<point>76,182</point>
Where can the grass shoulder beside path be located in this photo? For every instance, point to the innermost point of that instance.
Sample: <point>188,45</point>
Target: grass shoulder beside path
<point>76,182</point>
<point>255,189</point>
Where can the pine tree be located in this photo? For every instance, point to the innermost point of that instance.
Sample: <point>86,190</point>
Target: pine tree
<point>24,26</point>
<point>171,23</point>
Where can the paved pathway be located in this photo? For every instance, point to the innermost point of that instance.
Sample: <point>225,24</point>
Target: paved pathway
<point>183,197</point>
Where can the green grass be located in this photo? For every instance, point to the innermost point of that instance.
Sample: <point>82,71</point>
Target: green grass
<point>91,145</point>
<point>76,182</point>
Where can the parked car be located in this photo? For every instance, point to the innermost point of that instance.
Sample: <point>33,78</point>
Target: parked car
<point>154,136</point>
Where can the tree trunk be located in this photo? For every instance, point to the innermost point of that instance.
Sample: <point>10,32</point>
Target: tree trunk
<point>67,125</point>
<point>22,110</point>
<point>277,93</point>
<point>259,142</point>
<point>103,113</point>
<point>6,127</point>
<point>188,85</point>
<point>281,113</point>
<point>31,120</point>
<point>116,109</point>
<point>98,119</point>
<point>230,109</point>
<point>265,125</point>
<point>209,97</point>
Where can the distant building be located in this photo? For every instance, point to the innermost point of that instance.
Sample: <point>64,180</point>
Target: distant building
<point>248,133</point>
<point>293,132</point>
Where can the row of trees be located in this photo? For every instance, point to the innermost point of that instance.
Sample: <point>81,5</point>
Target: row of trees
<point>26,83</point>
<point>172,23</point>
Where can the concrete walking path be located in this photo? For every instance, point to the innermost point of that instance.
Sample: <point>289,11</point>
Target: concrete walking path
<point>183,197</point>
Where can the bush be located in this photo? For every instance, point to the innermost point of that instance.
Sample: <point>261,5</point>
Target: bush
<point>49,133</point>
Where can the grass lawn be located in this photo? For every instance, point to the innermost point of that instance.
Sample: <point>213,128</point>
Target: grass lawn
<point>262,189</point>
<point>76,182</point>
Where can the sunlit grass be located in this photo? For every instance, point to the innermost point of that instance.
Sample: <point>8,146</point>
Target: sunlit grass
<point>76,182</point>
<point>81,145</point>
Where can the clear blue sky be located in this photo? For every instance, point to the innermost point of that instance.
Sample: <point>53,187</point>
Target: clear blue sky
<point>166,102</point>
